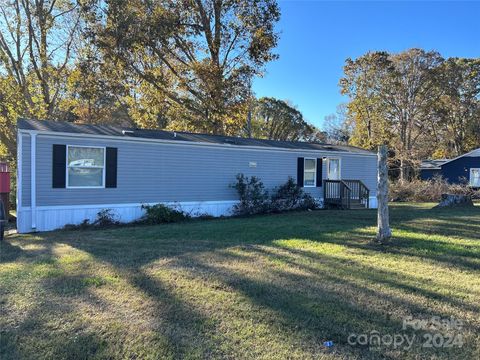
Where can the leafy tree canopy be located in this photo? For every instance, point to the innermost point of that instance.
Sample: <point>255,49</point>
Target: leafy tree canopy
<point>194,59</point>
<point>415,101</point>
<point>277,120</point>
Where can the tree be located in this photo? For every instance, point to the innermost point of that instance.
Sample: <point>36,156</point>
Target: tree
<point>275,119</point>
<point>458,108</point>
<point>396,93</point>
<point>362,83</point>
<point>97,91</point>
<point>338,127</point>
<point>419,104</point>
<point>409,93</point>
<point>37,45</point>
<point>197,56</point>
<point>384,233</point>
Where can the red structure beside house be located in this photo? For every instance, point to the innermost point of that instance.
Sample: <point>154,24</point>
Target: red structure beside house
<point>5,185</point>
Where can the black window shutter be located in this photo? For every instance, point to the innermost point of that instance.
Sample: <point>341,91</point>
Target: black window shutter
<point>59,165</point>
<point>300,165</point>
<point>111,168</point>
<point>319,172</point>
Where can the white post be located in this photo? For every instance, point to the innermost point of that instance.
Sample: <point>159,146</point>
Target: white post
<point>19,172</point>
<point>384,233</point>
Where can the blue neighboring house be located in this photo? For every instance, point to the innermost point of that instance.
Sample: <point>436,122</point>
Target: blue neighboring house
<point>462,169</point>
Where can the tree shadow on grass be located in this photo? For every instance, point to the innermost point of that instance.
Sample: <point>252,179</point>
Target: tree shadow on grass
<point>309,315</point>
<point>81,345</point>
<point>38,333</point>
<point>302,319</point>
<point>462,256</point>
<point>311,310</point>
<point>179,332</point>
<point>337,270</point>
<point>139,245</point>
<point>459,257</point>
<point>187,331</point>
<point>9,252</point>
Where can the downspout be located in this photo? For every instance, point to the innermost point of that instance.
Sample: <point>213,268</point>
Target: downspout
<point>33,180</point>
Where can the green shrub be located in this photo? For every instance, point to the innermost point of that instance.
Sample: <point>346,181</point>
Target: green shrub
<point>105,218</point>
<point>203,216</point>
<point>252,195</point>
<point>160,213</point>
<point>254,199</point>
<point>84,225</point>
<point>289,196</point>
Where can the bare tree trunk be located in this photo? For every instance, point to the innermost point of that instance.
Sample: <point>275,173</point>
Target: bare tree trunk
<point>384,233</point>
<point>403,176</point>
<point>249,123</point>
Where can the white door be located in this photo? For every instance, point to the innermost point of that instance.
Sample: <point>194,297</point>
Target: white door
<point>475,177</point>
<point>333,169</point>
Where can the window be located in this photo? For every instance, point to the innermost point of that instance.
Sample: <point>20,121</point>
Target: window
<point>475,177</point>
<point>309,172</point>
<point>85,167</point>
<point>333,169</point>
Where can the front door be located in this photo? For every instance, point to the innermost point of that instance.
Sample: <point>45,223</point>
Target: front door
<point>475,177</point>
<point>333,169</point>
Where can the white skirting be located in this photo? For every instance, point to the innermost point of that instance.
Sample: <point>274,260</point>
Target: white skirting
<point>373,202</point>
<point>55,217</point>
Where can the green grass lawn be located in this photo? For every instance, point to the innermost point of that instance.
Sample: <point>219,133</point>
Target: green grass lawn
<point>274,286</point>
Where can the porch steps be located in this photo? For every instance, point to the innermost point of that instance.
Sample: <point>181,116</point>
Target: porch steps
<point>356,205</point>
<point>346,194</point>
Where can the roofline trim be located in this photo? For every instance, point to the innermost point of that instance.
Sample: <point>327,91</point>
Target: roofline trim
<point>458,157</point>
<point>188,143</point>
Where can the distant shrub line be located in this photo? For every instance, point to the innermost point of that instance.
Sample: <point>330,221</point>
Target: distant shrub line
<point>428,190</point>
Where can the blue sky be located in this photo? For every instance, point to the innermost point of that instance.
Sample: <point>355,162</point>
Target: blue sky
<point>317,36</point>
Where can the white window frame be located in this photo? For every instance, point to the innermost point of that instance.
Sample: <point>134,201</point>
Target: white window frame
<point>471,176</point>
<point>93,167</point>
<point>339,168</point>
<point>314,172</point>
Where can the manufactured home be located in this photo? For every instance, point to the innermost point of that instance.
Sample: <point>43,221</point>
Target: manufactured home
<point>464,169</point>
<point>69,172</point>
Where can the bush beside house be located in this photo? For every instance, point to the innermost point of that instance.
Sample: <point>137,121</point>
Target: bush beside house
<point>255,199</point>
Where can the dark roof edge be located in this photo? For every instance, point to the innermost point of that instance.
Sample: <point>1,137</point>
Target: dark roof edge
<point>109,130</point>
<point>461,156</point>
